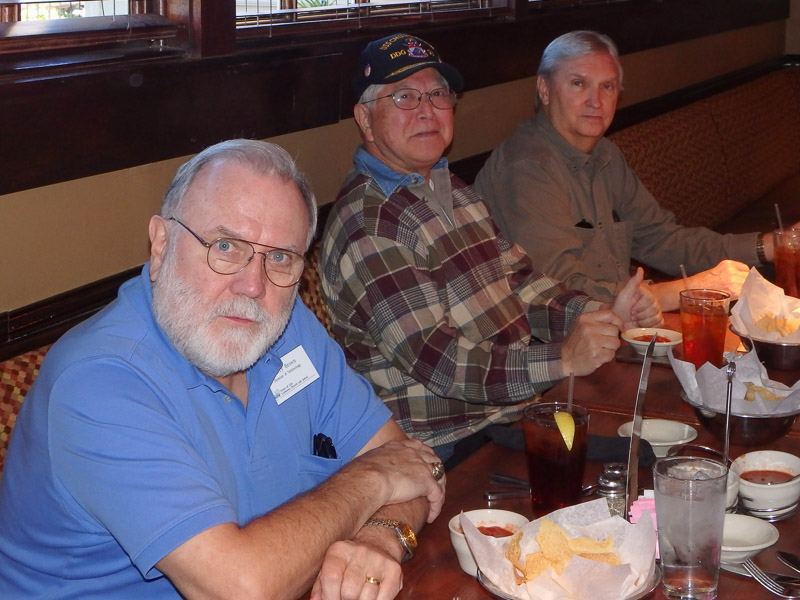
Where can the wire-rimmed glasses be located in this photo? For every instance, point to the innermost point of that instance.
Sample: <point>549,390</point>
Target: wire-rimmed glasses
<point>410,98</point>
<point>228,256</point>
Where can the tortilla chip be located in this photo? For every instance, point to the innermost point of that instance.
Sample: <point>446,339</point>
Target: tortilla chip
<point>554,544</point>
<point>513,554</point>
<point>765,393</point>
<point>556,549</point>
<point>584,545</point>
<point>536,564</point>
<point>608,558</point>
<point>783,327</point>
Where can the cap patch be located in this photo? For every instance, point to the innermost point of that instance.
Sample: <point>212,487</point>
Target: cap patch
<point>415,50</point>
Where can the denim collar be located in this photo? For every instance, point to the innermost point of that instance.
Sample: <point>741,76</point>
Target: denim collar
<point>387,178</point>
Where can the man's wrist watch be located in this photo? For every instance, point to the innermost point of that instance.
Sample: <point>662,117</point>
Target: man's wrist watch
<point>404,533</point>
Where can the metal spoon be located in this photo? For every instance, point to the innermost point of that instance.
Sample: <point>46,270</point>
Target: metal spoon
<point>790,560</point>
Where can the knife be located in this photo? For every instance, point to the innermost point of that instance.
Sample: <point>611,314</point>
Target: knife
<point>790,560</point>
<point>632,490</point>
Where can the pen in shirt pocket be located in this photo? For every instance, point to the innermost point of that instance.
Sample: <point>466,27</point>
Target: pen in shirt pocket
<point>323,446</point>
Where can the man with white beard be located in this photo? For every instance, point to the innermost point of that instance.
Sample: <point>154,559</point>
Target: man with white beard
<point>202,436</point>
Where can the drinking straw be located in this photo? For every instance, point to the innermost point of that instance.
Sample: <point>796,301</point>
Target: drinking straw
<point>685,277</point>
<point>778,214</point>
<point>686,281</point>
<point>569,391</point>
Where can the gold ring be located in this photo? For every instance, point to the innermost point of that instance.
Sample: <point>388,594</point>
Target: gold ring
<point>372,580</point>
<point>437,471</point>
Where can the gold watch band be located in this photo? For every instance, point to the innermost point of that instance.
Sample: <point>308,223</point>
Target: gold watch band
<point>406,536</point>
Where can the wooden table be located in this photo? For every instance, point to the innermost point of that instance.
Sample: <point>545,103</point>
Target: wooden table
<point>609,393</point>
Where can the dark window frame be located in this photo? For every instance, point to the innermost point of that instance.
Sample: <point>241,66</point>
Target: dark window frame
<point>123,109</point>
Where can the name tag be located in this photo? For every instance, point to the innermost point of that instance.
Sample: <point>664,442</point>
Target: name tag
<point>296,373</point>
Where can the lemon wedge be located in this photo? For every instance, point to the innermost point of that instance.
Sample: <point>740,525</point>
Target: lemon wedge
<point>566,425</point>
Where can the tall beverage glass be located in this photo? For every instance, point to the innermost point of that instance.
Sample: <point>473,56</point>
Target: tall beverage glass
<point>555,470</point>
<point>704,321</point>
<point>690,512</point>
<point>787,261</point>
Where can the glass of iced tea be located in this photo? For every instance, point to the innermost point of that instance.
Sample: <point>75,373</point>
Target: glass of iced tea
<point>556,453</point>
<point>787,261</point>
<point>704,321</point>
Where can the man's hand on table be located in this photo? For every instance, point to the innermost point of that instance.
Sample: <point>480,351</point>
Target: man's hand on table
<point>348,565</point>
<point>728,276</point>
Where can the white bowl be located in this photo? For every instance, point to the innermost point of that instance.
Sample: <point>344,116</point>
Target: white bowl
<point>731,491</point>
<point>481,518</point>
<point>660,348</point>
<point>743,537</point>
<point>661,433</point>
<point>771,502</point>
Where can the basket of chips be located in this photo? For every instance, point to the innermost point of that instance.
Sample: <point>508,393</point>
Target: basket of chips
<point>576,552</point>
<point>768,321</point>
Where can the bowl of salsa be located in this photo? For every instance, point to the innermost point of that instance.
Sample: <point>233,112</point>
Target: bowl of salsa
<point>766,485</point>
<point>639,338</point>
<point>495,523</point>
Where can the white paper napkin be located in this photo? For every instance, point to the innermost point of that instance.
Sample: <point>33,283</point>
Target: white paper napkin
<point>758,297</point>
<point>582,579</point>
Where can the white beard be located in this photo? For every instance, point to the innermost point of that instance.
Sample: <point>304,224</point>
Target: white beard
<point>188,321</point>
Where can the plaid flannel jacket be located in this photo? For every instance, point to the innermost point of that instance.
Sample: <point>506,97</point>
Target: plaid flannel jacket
<point>448,323</point>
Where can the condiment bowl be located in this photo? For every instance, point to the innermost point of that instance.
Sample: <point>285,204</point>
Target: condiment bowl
<point>732,492</point>
<point>743,537</point>
<point>639,338</point>
<point>661,433</point>
<point>775,501</point>
<point>484,517</point>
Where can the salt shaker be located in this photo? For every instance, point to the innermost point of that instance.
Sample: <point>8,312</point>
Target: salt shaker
<point>611,484</point>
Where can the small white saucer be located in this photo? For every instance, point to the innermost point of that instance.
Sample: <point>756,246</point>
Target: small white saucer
<point>743,537</point>
<point>661,433</point>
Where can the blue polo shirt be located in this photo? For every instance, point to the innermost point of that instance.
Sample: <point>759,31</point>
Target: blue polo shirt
<point>123,450</point>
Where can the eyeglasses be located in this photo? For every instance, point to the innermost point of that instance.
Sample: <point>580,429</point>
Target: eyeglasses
<point>409,98</point>
<point>228,256</point>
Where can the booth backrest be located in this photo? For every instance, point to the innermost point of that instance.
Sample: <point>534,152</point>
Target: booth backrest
<point>16,376</point>
<point>710,159</point>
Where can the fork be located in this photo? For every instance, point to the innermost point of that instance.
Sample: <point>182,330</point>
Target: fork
<point>767,581</point>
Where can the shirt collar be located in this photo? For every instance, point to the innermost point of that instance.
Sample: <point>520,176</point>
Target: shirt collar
<point>579,159</point>
<point>387,178</point>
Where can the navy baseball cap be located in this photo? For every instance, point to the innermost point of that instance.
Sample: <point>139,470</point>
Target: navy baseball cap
<point>397,56</point>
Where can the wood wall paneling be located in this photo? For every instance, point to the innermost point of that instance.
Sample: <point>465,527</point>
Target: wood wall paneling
<point>78,126</point>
